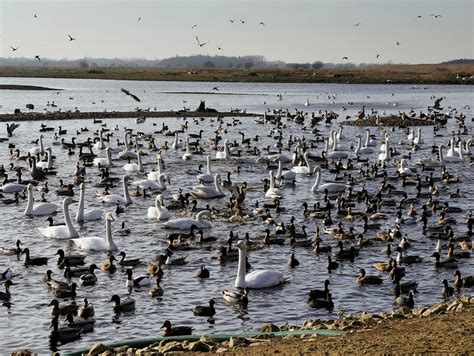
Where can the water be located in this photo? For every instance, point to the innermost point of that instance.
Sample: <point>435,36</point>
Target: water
<point>182,291</point>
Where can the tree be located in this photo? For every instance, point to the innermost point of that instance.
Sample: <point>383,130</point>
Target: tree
<point>83,64</point>
<point>317,65</point>
<point>248,65</point>
<point>208,64</point>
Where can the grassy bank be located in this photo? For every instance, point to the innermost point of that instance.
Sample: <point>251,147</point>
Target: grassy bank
<point>409,74</point>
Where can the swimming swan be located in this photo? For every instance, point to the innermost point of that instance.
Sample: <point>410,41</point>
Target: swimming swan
<point>61,232</point>
<point>104,162</point>
<point>330,187</point>
<point>134,167</point>
<point>158,211</point>
<point>303,169</point>
<point>38,209</point>
<point>273,192</point>
<point>96,243</point>
<point>116,198</point>
<point>224,154</point>
<point>205,192</point>
<point>206,177</point>
<point>89,214</point>
<point>186,223</point>
<point>155,175</point>
<point>256,279</point>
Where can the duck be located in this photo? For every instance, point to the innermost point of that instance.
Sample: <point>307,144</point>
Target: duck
<point>89,214</point>
<point>364,279</point>
<point>12,250</point>
<point>137,281</point>
<point>408,260</point>
<point>345,254</point>
<point>38,209</point>
<point>156,291</point>
<point>33,261</point>
<point>404,301</point>
<point>465,282</point>
<point>236,297</point>
<point>202,310</point>
<point>74,260</point>
<point>69,292</point>
<point>62,232</point>
<point>329,187</point>
<point>325,303</point>
<point>64,334</point>
<point>159,211</point>
<point>450,263</point>
<point>293,262</point>
<point>129,262</point>
<point>202,272</point>
<point>175,330</point>
<point>108,266</point>
<point>127,305</point>
<point>89,278</point>
<point>257,279</point>
<point>187,223</point>
<point>98,243</point>
<point>62,309</point>
<point>206,192</point>
<point>332,265</point>
<point>320,293</point>
<point>53,283</point>
<point>85,326</point>
<point>116,198</point>
<point>6,295</point>
<point>448,291</point>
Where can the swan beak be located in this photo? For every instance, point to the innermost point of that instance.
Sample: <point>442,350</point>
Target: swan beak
<point>74,201</point>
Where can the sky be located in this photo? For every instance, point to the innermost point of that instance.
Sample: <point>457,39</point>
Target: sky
<point>293,30</point>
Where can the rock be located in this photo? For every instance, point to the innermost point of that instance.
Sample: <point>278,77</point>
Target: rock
<point>22,352</point>
<point>269,328</point>
<point>460,306</point>
<point>289,337</point>
<point>464,298</point>
<point>108,353</point>
<point>198,346</point>
<point>221,350</point>
<point>171,346</point>
<point>131,350</point>
<point>471,300</point>
<point>452,306</point>
<point>237,342</point>
<point>435,309</point>
<point>418,312</point>
<point>98,348</point>
<point>355,324</point>
<point>208,340</point>
<point>122,350</point>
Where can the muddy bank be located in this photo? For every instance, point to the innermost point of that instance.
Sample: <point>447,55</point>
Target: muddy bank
<point>23,87</point>
<point>58,115</point>
<point>389,121</point>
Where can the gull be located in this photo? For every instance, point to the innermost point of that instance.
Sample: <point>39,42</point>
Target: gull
<point>199,43</point>
<point>38,58</point>
<point>13,48</point>
<point>194,26</point>
<point>243,21</point>
<point>261,23</point>
<point>357,24</point>
<point>71,38</point>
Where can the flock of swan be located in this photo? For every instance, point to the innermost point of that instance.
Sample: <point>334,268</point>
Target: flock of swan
<point>360,195</point>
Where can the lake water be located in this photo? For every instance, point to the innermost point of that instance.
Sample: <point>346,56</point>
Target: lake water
<point>25,322</point>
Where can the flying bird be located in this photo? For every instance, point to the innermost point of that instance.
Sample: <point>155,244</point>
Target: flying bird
<point>194,26</point>
<point>436,16</point>
<point>201,44</point>
<point>220,48</point>
<point>398,43</point>
<point>139,19</point>
<point>215,88</point>
<point>419,16</point>
<point>13,48</point>
<point>437,104</point>
<point>231,21</point>
<point>243,21</point>
<point>136,98</point>
<point>71,38</point>
<point>345,57</point>
<point>36,16</point>
<point>38,58</point>
<point>261,23</point>
<point>378,55</point>
<point>357,24</point>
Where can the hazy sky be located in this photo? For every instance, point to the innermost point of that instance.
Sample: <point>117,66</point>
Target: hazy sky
<point>294,31</point>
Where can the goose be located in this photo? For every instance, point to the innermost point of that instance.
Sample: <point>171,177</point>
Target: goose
<point>89,278</point>
<point>6,295</point>
<point>99,243</point>
<point>187,223</point>
<point>89,214</point>
<point>257,279</point>
<point>362,150</point>
<point>158,211</point>
<point>135,167</point>
<point>116,198</point>
<point>205,192</point>
<point>204,310</point>
<point>225,154</point>
<point>175,330</point>
<point>303,169</point>
<point>104,162</point>
<point>288,176</point>
<point>136,281</point>
<point>272,191</point>
<point>38,209</point>
<point>61,232</point>
<point>155,175</point>
<point>236,297</point>
<point>38,150</point>
<point>127,305</point>
<point>330,187</point>
<point>158,184</point>
<point>206,177</point>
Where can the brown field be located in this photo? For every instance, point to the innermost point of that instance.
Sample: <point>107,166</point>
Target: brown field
<point>409,74</point>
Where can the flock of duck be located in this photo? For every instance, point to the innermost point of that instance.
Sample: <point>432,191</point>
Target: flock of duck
<point>377,193</point>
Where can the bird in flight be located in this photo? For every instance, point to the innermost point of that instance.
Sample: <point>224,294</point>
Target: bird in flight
<point>215,88</point>
<point>194,26</point>
<point>38,58</point>
<point>71,38</point>
<point>357,24</point>
<point>398,43</point>
<point>219,48</point>
<point>231,21</point>
<point>201,44</point>
<point>36,16</point>
<point>436,16</point>
<point>345,58</point>
<point>13,48</point>
<point>419,16</point>
<point>139,19</point>
<point>134,97</point>
<point>242,21</point>
<point>378,55</point>
<point>261,23</point>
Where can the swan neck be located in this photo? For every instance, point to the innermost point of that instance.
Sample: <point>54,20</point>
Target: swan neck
<point>241,270</point>
<point>29,205</point>
<point>367,138</point>
<point>108,233</point>
<point>126,194</point>
<point>318,179</point>
<point>209,165</point>
<point>67,220</point>
<point>80,208</point>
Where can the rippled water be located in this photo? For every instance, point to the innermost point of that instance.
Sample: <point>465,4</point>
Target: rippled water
<point>182,291</point>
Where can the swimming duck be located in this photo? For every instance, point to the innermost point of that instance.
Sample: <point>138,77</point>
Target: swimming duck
<point>127,263</point>
<point>122,306</point>
<point>345,254</point>
<point>176,330</point>
<point>64,334</point>
<point>320,293</point>
<point>404,301</point>
<point>86,310</point>
<point>157,291</point>
<point>363,279</point>
<point>74,260</point>
<point>202,310</point>
<point>137,281</point>
<point>36,261</point>
<point>6,295</point>
<point>12,250</point>
<point>53,283</point>
<point>69,292</point>
<point>62,309</point>
<point>202,272</point>
<point>293,262</point>
<point>447,263</point>
<point>108,266</point>
<point>465,282</point>
<point>236,297</point>
<point>85,326</point>
<point>326,303</point>
<point>386,267</point>
<point>332,265</point>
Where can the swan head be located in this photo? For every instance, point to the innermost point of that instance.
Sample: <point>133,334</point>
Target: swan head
<point>109,217</point>
<point>82,187</point>
<point>241,245</point>
<point>68,201</point>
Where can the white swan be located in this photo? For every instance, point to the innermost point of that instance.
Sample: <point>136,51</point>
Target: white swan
<point>418,140</point>
<point>176,144</point>
<point>303,169</point>
<point>206,192</point>
<point>467,149</point>
<point>96,243</point>
<point>335,153</point>
<point>257,279</point>
<point>206,177</point>
<point>368,141</point>
<point>38,150</point>
<point>11,188</point>
<point>404,169</point>
<point>451,151</point>
<point>49,163</point>
<point>273,192</point>
<point>288,176</point>
<point>186,223</point>
<point>155,175</point>
<point>187,155</point>
<point>330,187</point>
<point>225,154</point>
<point>430,162</point>
<point>135,167</point>
<point>104,162</point>
<point>100,145</point>
<point>152,184</point>
<point>386,155</point>
<point>362,150</point>
<point>455,159</point>
<point>158,211</point>
<point>116,198</point>
<point>61,232</point>
<point>126,153</point>
<point>89,214</point>
<point>38,209</point>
